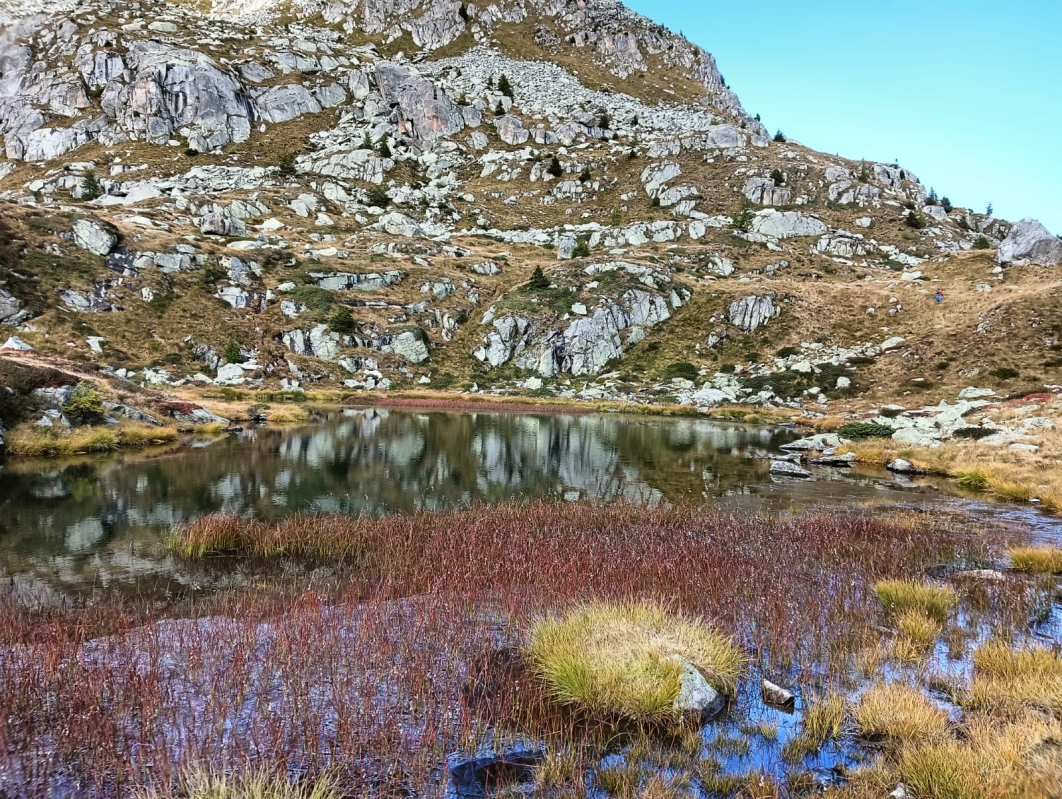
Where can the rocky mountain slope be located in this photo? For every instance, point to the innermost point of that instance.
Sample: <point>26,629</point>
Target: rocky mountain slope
<point>548,196</point>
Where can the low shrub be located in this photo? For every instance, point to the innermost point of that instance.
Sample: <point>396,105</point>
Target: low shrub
<point>1005,373</point>
<point>538,281</point>
<point>342,321</point>
<point>863,430</point>
<point>974,433</point>
<point>681,369</point>
<point>85,406</point>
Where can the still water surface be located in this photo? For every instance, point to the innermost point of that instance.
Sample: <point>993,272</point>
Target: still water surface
<point>80,527</point>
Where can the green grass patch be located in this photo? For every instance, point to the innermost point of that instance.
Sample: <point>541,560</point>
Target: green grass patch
<point>902,596</point>
<point>619,659</point>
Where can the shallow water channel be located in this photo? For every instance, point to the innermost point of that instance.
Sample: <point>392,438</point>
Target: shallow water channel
<point>96,524</point>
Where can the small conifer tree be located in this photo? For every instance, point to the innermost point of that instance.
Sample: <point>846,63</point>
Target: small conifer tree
<point>505,87</point>
<point>90,186</point>
<point>538,280</point>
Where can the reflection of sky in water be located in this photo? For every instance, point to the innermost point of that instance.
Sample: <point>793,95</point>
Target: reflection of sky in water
<point>100,521</point>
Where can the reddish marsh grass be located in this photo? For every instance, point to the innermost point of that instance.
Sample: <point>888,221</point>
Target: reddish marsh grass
<point>378,677</point>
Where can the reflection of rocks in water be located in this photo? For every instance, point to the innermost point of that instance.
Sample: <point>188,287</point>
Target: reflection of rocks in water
<point>67,520</point>
<point>82,535</point>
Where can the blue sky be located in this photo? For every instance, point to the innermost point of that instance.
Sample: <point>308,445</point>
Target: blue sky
<point>967,95</point>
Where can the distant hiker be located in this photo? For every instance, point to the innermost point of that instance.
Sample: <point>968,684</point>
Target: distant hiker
<point>940,295</point>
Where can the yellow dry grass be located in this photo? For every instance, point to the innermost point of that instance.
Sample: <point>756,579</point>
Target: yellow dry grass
<point>904,597</point>
<point>1000,473</point>
<point>1008,681</point>
<point>918,629</point>
<point>261,785</point>
<point>620,659</point>
<point>899,714</point>
<point>36,442</point>
<point>1038,560</point>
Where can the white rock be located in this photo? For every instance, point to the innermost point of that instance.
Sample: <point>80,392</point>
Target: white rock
<point>15,343</point>
<point>1030,243</point>
<point>89,236</point>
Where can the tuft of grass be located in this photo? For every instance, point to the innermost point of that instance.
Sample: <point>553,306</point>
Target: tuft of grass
<point>1007,681</point>
<point>1039,560</point>
<point>36,442</point>
<point>824,720</point>
<point>556,770</point>
<point>209,430</point>
<point>620,781</point>
<point>899,714</point>
<point>944,770</point>
<point>138,436</point>
<point>261,785</point>
<point>918,629</point>
<point>974,479</point>
<point>901,596</point>
<point>288,415</point>
<point>617,659</point>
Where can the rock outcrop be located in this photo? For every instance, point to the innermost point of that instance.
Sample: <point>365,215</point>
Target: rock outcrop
<point>1030,243</point>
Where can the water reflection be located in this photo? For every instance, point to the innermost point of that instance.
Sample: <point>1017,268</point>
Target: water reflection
<point>97,523</point>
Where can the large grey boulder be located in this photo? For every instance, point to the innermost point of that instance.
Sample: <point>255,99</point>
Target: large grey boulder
<point>1030,244</point>
<point>753,311</point>
<point>789,469</point>
<point>425,109</point>
<point>175,90</point>
<point>93,237</point>
<point>786,224</point>
<point>763,191</point>
<point>283,103</point>
<point>411,345</point>
<point>511,130</point>
<point>399,225</point>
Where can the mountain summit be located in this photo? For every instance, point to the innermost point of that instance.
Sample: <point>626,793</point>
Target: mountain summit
<point>505,197</point>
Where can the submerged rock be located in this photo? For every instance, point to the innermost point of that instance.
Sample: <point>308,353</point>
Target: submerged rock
<point>777,695</point>
<point>491,763</point>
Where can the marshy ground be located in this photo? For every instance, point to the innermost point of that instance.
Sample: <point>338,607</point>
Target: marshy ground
<point>919,651</point>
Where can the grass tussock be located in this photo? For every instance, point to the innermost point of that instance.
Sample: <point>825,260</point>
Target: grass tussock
<point>1038,560</point>
<point>918,629</point>
<point>899,714</point>
<point>262,785</point>
<point>620,659</point>
<point>1006,681</point>
<point>903,597</point>
<point>35,442</point>
<point>945,770</point>
<point>824,719</point>
<point>209,430</point>
<point>288,415</point>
